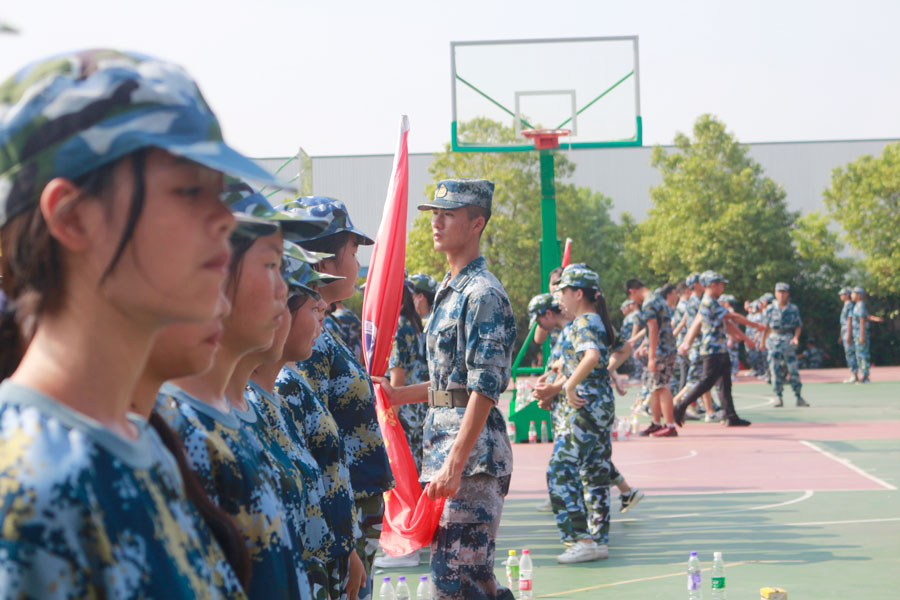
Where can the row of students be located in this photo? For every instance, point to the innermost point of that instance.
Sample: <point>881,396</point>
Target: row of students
<point>157,437</point>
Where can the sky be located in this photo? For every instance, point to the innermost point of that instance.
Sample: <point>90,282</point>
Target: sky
<point>334,76</point>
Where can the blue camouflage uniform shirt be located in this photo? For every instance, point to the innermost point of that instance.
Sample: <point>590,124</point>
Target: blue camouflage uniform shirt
<point>346,326</point>
<point>628,325</point>
<point>860,311</point>
<point>469,340</point>
<point>89,514</point>
<point>655,307</point>
<point>783,321</point>
<point>846,314</point>
<point>712,331</point>
<point>680,311</point>
<point>693,307</point>
<point>588,333</point>
<point>408,353</point>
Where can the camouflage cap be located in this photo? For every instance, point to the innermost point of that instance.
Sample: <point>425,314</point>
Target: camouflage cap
<point>422,282</point>
<point>859,289</point>
<point>626,304</point>
<point>768,297</point>
<point>70,114</point>
<point>578,276</point>
<point>298,273</point>
<point>540,304</point>
<point>456,193</point>
<point>728,299</point>
<point>710,277</point>
<point>782,287</point>
<point>844,291</point>
<point>692,279</point>
<point>243,199</point>
<point>334,212</point>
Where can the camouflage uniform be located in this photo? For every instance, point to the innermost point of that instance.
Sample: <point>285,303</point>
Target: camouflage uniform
<point>327,447</point>
<point>346,326</point>
<point>628,330</point>
<point>849,348</point>
<point>695,366</point>
<point>89,514</point>
<point>860,311</point>
<point>813,358</point>
<point>408,352</point>
<point>781,353</point>
<point>681,364</point>
<point>246,477</point>
<point>654,307</point>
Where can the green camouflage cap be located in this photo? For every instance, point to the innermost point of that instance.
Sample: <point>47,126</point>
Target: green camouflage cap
<point>245,201</point>
<point>71,114</point>
<point>297,270</point>
<point>332,211</point>
<point>782,287</point>
<point>709,277</point>
<point>539,305</point>
<point>578,276</point>
<point>845,291</point>
<point>451,194</point>
<point>422,282</point>
<point>692,279</point>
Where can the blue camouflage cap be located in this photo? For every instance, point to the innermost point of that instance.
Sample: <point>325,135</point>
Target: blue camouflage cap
<point>728,299</point>
<point>859,289</point>
<point>68,115</point>
<point>334,212</point>
<point>244,199</point>
<point>297,271</point>
<point>422,282</point>
<point>782,287</point>
<point>540,304</point>
<point>626,304</point>
<point>844,291</point>
<point>709,277</point>
<point>456,193</point>
<point>692,279</point>
<point>578,276</point>
<point>768,297</point>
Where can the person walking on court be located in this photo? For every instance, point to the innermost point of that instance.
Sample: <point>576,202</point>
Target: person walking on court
<point>781,338</point>
<point>713,320</point>
<point>846,336</point>
<point>860,331</point>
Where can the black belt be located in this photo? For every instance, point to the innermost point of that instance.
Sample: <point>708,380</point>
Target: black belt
<point>457,398</point>
<point>783,330</point>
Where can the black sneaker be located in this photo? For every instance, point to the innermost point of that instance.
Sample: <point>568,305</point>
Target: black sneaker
<point>802,402</point>
<point>650,430</point>
<point>630,499</point>
<point>779,402</point>
<point>679,410</point>
<point>735,421</point>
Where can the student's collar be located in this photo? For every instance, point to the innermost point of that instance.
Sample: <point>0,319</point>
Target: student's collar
<point>462,278</point>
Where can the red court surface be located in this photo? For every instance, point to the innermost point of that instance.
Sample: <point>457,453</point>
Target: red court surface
<point>709,458</point>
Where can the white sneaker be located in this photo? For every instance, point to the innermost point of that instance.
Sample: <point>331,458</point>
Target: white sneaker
<point>713,418</point>
<point>583,551</point>
<point>394,562</point>
<point>851,379</point>
<point>544,506</point>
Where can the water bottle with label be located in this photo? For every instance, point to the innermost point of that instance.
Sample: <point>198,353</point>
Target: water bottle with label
<point>545,431</point>
<point>695,589</point>
<point>387,590</point>
<point>511,431</point>
<point>526,581</point>
<point>521,395</point>
<point>532,433</point>
<point>402,592</point>
<point>718,577</point>
<point>423,592</point>
<point>512,571</point>
<point>624,430</point>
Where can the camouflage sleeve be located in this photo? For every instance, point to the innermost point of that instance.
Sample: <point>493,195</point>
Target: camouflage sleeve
<point>586,337</point>
<point>31,571</point>
<point>490,334</point>
<point>332,326</point>
<point>317,368</point>
<point>401,353</point>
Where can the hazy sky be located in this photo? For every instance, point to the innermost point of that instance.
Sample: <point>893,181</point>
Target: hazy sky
<point>334,76</point>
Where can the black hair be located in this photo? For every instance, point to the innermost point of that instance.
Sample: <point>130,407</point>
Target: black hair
<point>429,296</point>
<point>30,265</point>
<point>681,288</point>
<point>240,244</point>
<point>331,244</point>
<point>473,212</point>
<point>599,301</point>
<point>666,289</point>
<point>633,284</point>
<point>408,308</point>
<point>220,523</point>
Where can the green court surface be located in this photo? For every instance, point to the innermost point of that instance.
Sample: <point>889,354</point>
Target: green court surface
<point>814,540</point>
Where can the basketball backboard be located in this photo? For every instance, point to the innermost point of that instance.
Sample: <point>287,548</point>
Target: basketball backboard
<point>587,85</point>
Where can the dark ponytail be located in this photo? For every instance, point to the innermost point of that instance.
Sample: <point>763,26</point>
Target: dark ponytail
<point>599,301</point>
<point>408,308</point>
<point>223,528</point>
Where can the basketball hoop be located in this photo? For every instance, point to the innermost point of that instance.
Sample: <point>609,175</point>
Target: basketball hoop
<point>546,139</point>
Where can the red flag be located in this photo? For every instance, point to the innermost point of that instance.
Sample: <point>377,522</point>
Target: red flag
<point>566,253</point>
<point>410,517</point>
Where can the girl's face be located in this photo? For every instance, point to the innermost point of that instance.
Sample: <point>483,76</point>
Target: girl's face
<point>173,267</point>
<point>345,265</point>
<point>259,297</point>
<point>305,328</point>
<point>569,299</point>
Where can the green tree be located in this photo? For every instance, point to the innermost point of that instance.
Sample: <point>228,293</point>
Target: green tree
<point>715,209</point>
<point>864,198</point>
<point>511,241</point>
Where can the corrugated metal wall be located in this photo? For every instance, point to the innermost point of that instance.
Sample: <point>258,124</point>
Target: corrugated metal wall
<point>623,174</point>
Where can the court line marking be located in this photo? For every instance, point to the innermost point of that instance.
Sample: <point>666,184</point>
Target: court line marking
<point>807,494</point>
<point>768,525</point>
<point>849,465</point>
<point>687,456</point>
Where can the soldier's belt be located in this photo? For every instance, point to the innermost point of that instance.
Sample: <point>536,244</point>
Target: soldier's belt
<point>457,398</point>
<point>783,330</point>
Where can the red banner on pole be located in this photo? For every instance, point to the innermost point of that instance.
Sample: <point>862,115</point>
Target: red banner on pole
<point>567,253</point>
<point>410,517</point>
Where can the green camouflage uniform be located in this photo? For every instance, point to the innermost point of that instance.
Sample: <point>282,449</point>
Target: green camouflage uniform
<point>860,311</point>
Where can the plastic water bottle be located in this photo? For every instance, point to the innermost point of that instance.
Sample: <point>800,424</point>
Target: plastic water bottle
<point>624,430</point>
<point>402,589</point>
<point>695,589</point>
<point>387,590</point>
<point>635,424</point>
<point>614,431</point>
<point>521,395</point>
<point>545,431</point>
<point>718,577</point>
<point>511,431</point>
<point>512,570</point>
<point>423,592</point>
<point>532,433</point>
<point>526,590</point>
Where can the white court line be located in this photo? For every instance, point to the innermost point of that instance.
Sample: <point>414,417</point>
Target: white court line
<point>675,529</point>
<point>690,454</point>
<point>849,465</point>
<point>807,494</point>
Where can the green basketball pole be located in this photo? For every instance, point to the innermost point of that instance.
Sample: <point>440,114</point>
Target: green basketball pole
<point>550,258</point>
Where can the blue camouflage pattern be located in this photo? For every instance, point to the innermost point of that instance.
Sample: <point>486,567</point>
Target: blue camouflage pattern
<point>863,359</point>
<point>89,514</point>
<point>408,353</point>
<point>469,341</point>
<point>333,212</point>
<point>346,326</point>
<point>712,330</point>
<point>846,332</point>
<point>781,354</point>
<point>654,307</point>
<point>451,194</point>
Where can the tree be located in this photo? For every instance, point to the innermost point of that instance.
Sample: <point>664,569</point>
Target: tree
<point>864,198</point>
<point>511,241</point>
<point>715,209</point>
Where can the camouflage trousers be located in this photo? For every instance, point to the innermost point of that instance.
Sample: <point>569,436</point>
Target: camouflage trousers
<point>783,363</point>
<point>338,577</point>
<point>412,418</point>
<point>735,362</point>
<point>318,579</point>
<point>850,355</point>
<point>580,473</point>
<point>462,552</point>
<point>371,513</point>
<point>862,358</point>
